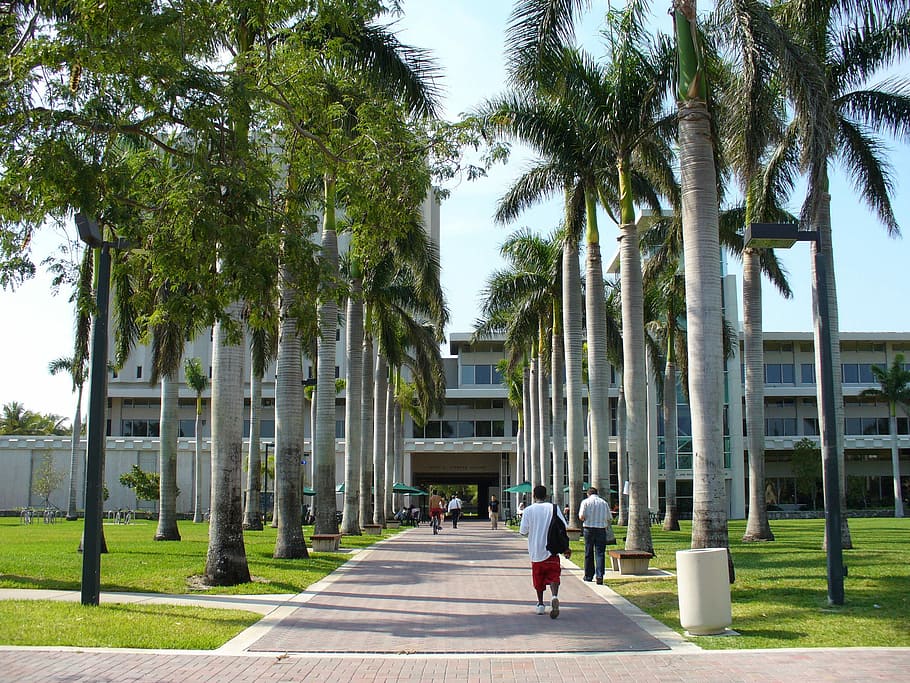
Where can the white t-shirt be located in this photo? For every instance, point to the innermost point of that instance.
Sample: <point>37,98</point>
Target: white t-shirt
<point>535,524</point>
<point>455,504</point>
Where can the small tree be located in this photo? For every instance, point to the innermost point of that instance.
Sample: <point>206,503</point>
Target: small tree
<point>47,479</point>
<point>145,484</point>
<point>807,467</point>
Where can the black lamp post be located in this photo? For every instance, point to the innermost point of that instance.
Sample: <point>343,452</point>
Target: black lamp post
<point>90,233</point>
<point>784,236</point>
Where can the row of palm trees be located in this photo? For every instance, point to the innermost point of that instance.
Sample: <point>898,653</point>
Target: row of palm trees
<point>767,93</point>
<point>240,129</point>
<point>261,122</point>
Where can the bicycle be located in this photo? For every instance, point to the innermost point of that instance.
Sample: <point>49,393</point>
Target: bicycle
<point>436,523</point>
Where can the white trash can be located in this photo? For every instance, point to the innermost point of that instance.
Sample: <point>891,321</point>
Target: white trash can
<point>703,580</point>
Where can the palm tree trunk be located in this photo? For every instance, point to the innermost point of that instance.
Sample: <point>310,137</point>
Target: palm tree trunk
<point>353,457</point>
<point>167,461</point>
<point>543,405</point>
<point>622,455</point>
<point>380,384</point>
<point>571,323</point>
<point>598,366</point>
<point>251,516</point>
<point>197,464</point>
<point>366,419</point>
<point>758,527</point>
<point>389,448</point>
<point>534,419</point>
<point>634,377</point>
<point>895,462</point>
<point>324,439</point>
<point>289,542</point>
<point>671,446</point>
<point>823,225</point>
<point>526,422</point>
<point>72,512</point>
<point>226,563</point>
<point>559,410</point>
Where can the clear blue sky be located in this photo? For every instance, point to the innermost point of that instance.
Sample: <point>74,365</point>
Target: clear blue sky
<point>467,38</point>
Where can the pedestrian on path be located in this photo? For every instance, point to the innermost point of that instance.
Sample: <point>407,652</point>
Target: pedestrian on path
<point>593,513</point>
<point>437,511</point>
<point>493,509</point>
<point>455,510</point>
<point>545,569</point>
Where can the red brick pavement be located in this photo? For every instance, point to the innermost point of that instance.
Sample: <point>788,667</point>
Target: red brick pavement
<point>473,578</point>
<point>465,590</point>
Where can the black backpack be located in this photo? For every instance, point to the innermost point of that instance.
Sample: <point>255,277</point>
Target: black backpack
<point>557,538</point>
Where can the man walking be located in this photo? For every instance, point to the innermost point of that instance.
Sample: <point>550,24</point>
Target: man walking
<point>545,569</point>
<point>455,510</point>
<point>593,513</point>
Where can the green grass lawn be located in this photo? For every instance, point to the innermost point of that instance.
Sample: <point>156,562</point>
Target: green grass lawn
<point>779,598</point>
<point>45,556</point>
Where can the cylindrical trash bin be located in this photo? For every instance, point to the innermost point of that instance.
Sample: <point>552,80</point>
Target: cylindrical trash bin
<point>703,581</point>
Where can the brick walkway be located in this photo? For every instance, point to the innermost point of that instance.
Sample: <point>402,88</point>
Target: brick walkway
<point>458,606</point>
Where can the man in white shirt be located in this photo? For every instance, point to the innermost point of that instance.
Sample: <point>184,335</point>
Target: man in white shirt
<point>545,569</point>
<point>455,510</point>
<point>593,513</point>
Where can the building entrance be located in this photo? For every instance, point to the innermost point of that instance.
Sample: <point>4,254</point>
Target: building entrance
<point>474,476</point>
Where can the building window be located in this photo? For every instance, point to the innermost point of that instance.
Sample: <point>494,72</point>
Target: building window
<point>780,426</point>
<point>807,373</point>
<point>480,374</point>
<point>139,428</point>
<point>778,373</point>
<point>138,372</point>
<point>857,373</point>
<point>810,426</point>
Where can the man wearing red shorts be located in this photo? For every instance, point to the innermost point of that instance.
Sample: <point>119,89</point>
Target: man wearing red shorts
<point>545,569</point>
<point>436,507</point>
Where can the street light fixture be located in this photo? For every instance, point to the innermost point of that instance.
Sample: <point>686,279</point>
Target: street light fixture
<point>90,233</point>
<point>784,236</point>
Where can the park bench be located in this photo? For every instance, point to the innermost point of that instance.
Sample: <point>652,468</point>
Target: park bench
<point>373,529</point>
<point>630,561</point>
<point>325,543</point>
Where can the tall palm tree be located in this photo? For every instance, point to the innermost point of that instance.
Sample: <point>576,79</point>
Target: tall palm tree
<point>197,380</point>
<point>852,41</point>
<point>698,180</point>
<point>78,375</point>
<point>894,389</point>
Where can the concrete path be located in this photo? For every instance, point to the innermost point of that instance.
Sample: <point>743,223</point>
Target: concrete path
<point>458,606</point>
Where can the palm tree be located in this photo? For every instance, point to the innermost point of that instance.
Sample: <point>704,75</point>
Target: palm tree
<point>198,381</point>
<point>698,180</point>
<point>894,389</point>
<point>851,41</point>
<point>78,375</point>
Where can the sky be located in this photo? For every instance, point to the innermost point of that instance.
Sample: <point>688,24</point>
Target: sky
<point>466,38</point>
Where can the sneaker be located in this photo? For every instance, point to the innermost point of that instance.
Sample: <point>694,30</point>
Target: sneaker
<point>541,609</point>
<point>554,608</point>
<point>588,579</point>
<point>600,581</point>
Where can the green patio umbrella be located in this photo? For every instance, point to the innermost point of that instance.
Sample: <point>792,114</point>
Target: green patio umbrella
<point>340,488</point>
<point>307,491</point>
<point>523,487</point>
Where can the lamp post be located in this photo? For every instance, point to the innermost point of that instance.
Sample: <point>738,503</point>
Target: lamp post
<point>784,236</point>
<point>90,233</point>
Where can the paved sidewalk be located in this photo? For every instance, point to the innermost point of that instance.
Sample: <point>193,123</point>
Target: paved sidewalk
<point>458,606</point>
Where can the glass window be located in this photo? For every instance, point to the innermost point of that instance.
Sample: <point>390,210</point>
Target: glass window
<point>126,427</point>
<point>482,374</point>
<point>786,373</point>
<point>465,429</point>
<point>267,429</point>
<point>467,374</point>
<point>865,373</point>
<point>903,425</point>
<point>497,376</point>
<point>810,426</point>
<point>339,429</point>
<point>449,429</point>
<point>416,431</point>
<point>850,373</point>
<point>433,429</point>
<point>482,428</point>
<point>187,428</point>
<point>138,372</point>
<point>772,373</point>
<point>499,428</point>
<point>853,425</point>
<point>807,373</point>
<point>152,428</point>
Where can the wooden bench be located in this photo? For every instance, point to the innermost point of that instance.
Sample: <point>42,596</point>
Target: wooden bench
<point>630,561</point>
<point>373,529</point>
<point>325,543</point>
